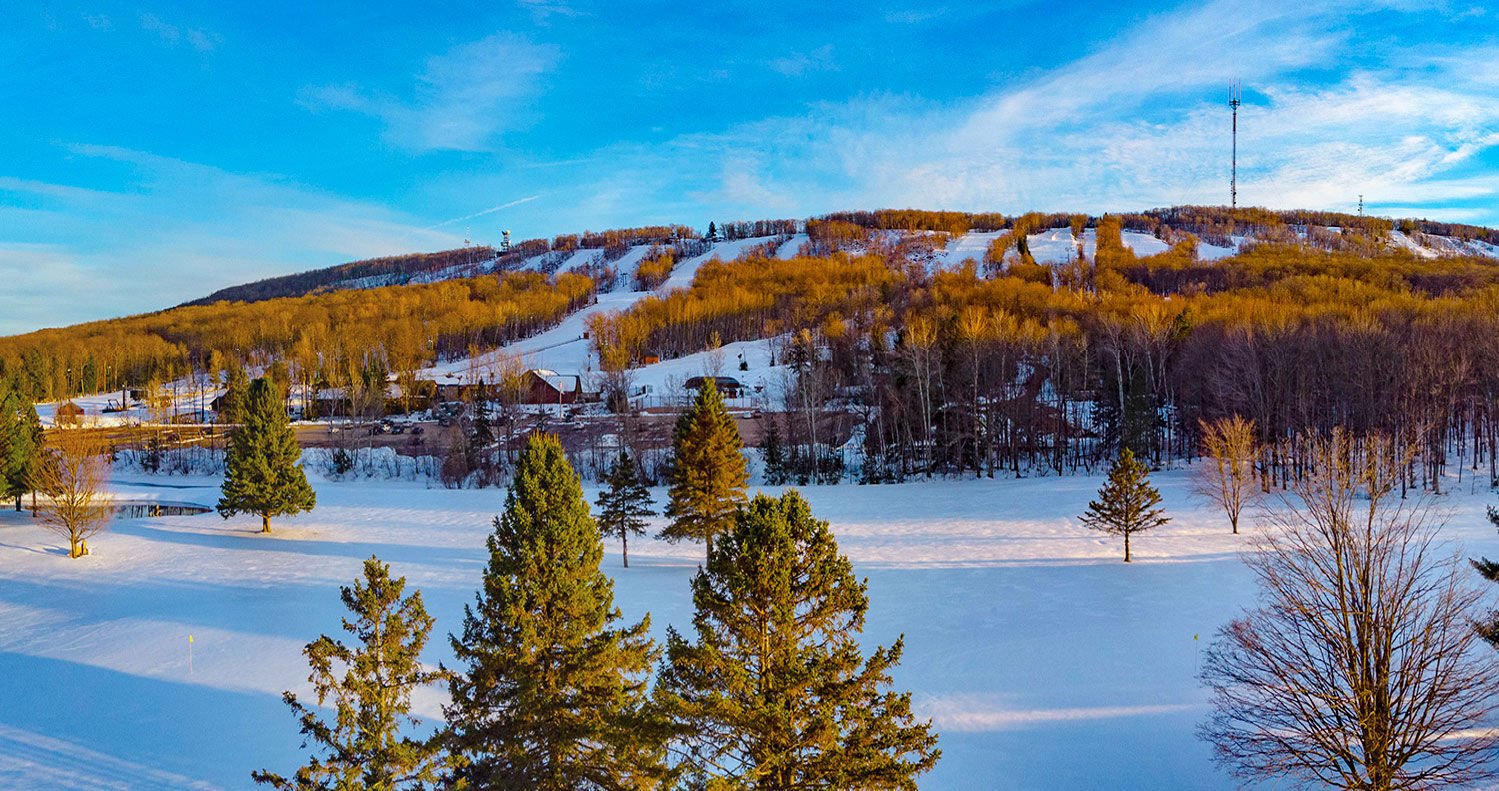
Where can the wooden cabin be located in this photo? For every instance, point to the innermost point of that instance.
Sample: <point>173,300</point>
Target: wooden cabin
<point>543,386</point>
<point>69,414</point>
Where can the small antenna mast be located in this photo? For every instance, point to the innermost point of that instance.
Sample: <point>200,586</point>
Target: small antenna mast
<point>1233,182</point>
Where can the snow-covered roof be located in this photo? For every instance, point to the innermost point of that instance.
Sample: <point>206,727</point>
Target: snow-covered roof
<point>560,382</point>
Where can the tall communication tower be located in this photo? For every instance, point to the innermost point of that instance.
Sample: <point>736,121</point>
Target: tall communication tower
<point>1233,180</point>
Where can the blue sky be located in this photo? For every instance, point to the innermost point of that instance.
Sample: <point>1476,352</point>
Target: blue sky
<point>156,151</point>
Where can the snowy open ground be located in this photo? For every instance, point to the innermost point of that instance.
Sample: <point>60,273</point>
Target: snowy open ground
<point>1045,661</point>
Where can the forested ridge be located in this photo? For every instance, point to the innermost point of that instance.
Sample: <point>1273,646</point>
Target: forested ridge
<point>1009,366</point>
<point>468,261</point>
<point>999,364</point>
<point>332,338</point>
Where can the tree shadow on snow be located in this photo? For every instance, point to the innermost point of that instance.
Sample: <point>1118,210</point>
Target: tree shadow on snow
<point>66,724</point>
<point>240,539</point>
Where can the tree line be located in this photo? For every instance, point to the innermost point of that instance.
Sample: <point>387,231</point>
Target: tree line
<point>327,337</point>
<point>1020,368</point>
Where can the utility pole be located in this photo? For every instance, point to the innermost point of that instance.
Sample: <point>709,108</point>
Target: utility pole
<point>1233,183</point>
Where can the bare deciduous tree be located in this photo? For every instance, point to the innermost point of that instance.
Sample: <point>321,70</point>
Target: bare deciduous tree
<point>72,472</point>
<point>1226,476</point>
<point>1360,668</point>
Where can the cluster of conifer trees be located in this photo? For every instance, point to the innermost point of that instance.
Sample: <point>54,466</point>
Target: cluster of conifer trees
<point>552,687</point>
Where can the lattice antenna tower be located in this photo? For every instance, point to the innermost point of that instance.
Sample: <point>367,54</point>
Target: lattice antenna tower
<point>1234,96</point>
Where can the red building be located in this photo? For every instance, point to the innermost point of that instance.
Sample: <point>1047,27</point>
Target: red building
<point>549,387</point>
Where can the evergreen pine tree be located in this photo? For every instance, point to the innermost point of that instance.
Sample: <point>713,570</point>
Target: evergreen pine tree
<point>552,694</point>
<point>708,475</point>
<point>1127,503</point>
<point>262,475</point>
<point>369,688</point>
<point>20,441</point>
<point>775,692</point>
<point>12,451</point>
<point>481,438</point>
<point>624,504</point>
<point>773,453</point>
<point>236,398</point>
<point>483,435</point>
<point>1138,423</point>
<point>712,231</point>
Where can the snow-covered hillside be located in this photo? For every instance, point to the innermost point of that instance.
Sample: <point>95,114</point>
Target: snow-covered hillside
<point>565,349</point>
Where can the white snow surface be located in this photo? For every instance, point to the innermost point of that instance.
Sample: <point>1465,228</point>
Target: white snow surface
<point>792,246</point>
<point>1404,242</point>
<point>1212,252</point>
<point>190,397</point>
<point>1053,246</point>
<point>973,245</point>
<point>1044,661</point>
<point>1058,245</point>
<point>563,348</point>
<point>1431,246</point>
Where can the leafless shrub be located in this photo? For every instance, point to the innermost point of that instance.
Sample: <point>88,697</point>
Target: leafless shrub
<point>72,473</point>
<point>1226,475</point>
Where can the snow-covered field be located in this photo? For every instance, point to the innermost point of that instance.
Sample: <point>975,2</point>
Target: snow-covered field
<point>1045,661</point>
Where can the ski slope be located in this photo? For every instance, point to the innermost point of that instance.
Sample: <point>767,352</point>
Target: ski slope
<point>563,347</point>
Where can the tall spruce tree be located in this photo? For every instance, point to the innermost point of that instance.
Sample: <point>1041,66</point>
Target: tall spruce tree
<point>262,475</point>
<point>1127,503</point>
<point>483,433</point>
<point>368,686</point>
<point>552,693</point>
<point>481,438</point>
<point>708,474</point>
<point>775,692</point>
<point>624,503</point>
<point>20,441</point>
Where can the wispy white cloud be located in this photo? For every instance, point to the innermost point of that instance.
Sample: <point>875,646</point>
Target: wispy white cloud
<point>461,99</point>
<point>797,64</point>
<point>198,38</point>
<point>543,10</point>
<point>490,210</point>
<point>914,16</point>
<point>983,713</point>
